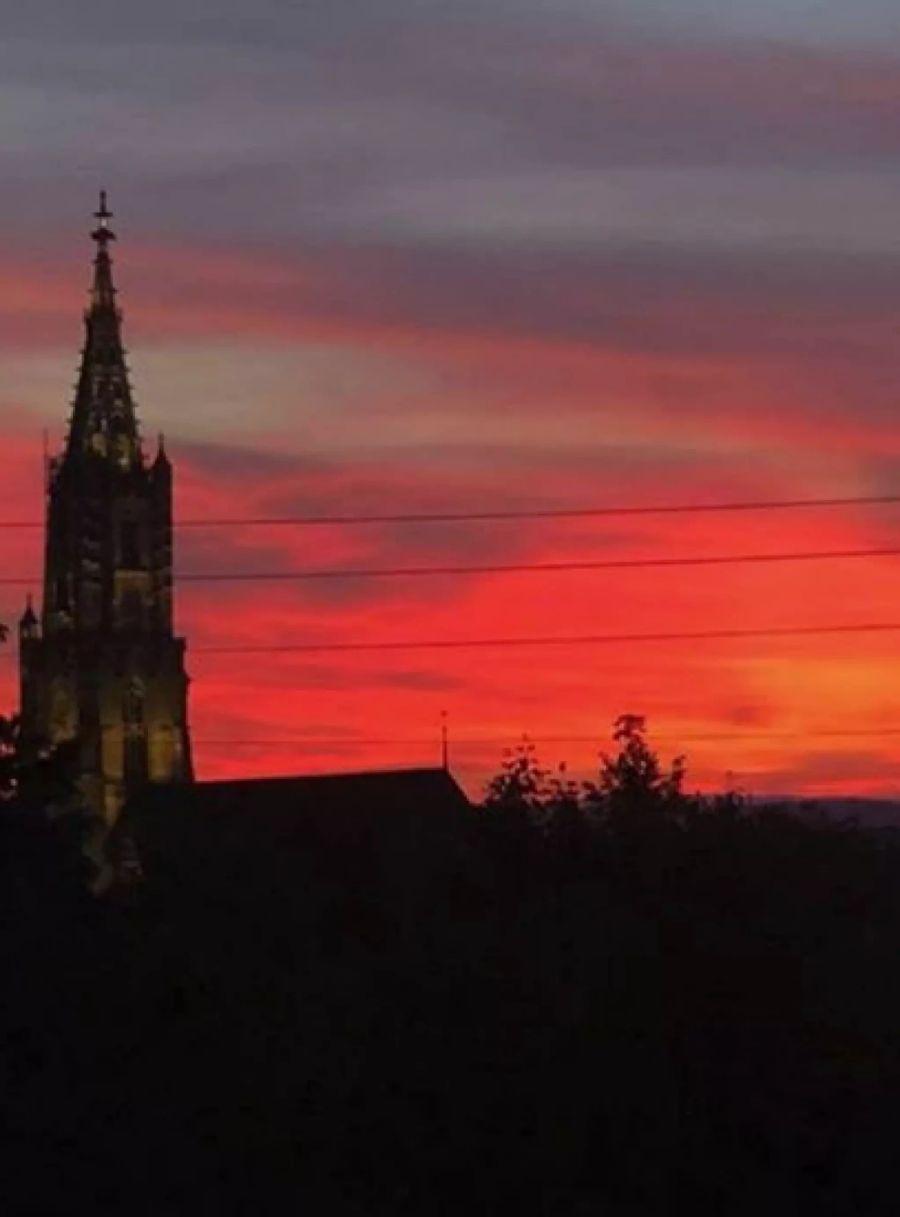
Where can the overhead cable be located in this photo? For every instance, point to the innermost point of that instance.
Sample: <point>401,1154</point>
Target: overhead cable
<point>537,513</point>
<point>510,568</point>
<point>577,640</point>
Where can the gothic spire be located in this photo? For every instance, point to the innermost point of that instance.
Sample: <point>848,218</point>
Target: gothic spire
<point>103,418</point>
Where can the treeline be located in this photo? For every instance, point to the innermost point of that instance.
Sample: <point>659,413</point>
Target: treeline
<point>616,997</point>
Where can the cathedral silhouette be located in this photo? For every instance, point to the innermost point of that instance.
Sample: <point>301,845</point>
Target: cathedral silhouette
<point>100,665</point>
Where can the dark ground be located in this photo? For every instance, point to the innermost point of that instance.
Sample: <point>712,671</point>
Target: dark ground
<point>638,1020</point>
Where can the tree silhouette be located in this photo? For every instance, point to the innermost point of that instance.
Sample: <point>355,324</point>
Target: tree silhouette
<point>38,794</point>
<point>633,781</point>
<point>521,786</point>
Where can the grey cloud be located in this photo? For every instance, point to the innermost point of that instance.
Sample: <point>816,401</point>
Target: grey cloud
<point>248,465</point>
<point>648,299</point>
<point>351,120</point>
<point>229,22</point>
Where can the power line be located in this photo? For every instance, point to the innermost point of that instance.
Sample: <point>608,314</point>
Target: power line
<point>514,568</point>
<point>509,641</point>
<point>448,644</point>
<point>514,739</point>
<point>414,572</point>
<point>560,513</point>
<point>551,513</point>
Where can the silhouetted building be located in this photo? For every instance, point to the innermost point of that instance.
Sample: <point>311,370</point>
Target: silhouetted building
<point>101,665</point>
<point>243,842</point>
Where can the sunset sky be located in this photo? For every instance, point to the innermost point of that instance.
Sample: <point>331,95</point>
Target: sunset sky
<point>391,256</point>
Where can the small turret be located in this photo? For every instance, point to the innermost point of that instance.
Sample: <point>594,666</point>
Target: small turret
<point>29,626</point>
<point>161,462</point>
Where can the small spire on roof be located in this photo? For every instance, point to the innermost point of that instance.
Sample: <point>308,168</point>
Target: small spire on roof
<point>445,742</point>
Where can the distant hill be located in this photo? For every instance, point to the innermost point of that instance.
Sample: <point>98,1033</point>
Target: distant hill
<point>869,812</point>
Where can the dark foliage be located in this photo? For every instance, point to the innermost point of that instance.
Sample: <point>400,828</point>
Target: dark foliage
<point>617,999</point>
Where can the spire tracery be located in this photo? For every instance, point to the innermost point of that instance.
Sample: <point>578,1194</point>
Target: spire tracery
<point>103,402</point>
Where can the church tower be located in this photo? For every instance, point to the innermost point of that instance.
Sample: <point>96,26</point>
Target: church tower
<point>101,665</point>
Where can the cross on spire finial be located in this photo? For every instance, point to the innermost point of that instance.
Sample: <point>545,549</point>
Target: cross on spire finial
<point>103,233</point>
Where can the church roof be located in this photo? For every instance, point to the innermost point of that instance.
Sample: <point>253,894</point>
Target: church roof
<point>212,827</point>
<point>393,788</point>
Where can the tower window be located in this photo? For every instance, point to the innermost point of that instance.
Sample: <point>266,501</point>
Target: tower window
<point>131,610</point>
<point>135,743</point>
<point>133,705</point>
<point>130,545</point>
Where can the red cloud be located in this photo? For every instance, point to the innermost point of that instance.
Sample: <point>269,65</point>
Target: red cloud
<point>730,406</point>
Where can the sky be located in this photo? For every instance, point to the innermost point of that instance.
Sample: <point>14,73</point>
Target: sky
<point>394,256</point>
